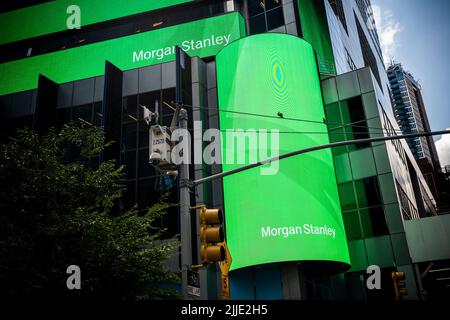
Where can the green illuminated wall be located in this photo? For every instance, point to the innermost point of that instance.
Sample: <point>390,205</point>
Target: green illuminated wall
<point>52,16</point>
<point>208,36</point>
<point>266,74</point>
<point>314,27</point>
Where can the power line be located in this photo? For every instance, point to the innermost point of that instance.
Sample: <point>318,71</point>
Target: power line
<point>353,124</point>
<point>345,132</point>
<point>381,131</point>
<point>256,114</point>
<point>312,132</point>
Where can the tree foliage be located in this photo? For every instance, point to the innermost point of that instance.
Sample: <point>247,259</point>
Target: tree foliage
<point>55,213</point>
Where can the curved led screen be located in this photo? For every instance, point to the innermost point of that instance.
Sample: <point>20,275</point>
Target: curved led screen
<point>287,210</point>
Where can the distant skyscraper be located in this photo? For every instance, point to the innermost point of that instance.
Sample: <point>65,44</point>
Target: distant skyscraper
<point>410,113</point>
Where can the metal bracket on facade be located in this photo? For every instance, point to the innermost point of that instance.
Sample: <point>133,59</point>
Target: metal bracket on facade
<point>424,274</point>
<point>187,183</point>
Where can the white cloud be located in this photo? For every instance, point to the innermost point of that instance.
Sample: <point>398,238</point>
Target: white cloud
<point>443,149</point>
<point>388,29</point>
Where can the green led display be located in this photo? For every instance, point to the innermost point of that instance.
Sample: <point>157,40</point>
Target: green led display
<point>294,214</point>
<point>314,26</point>
<point>199,38</point>
<point>52,16</point>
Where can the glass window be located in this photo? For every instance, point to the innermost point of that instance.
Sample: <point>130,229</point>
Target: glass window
<point>381,159</point>
<point>388,189</point>
<point>168,75</point>
<point>129,136</point>
<point>352,226</point>
<point>257,24</point>
<point>83,91</point>
<point>347,196</point>
<point>98,114</point>
<point>373,222</point>
<point>146,192</point>
<point>265,15</point>
<point>168,96</point>
<point>347,84</point>
<point>337,135</point>
<point>145,168</point>
<point>394,218</point>
<point>255,7</point>
<point>368,56</point>
<point>271,4</point>
<point>65,92</point>
<point>6,106</point>
<point>358,118</point>
<point>129,162</point>
<point>99,88</point>
<point>62,117</point>
<point>363,163</point>
<point>22,103</point>
<point>330,94</point>
<point>129,123</point>
<point>338,10</point>
<point>335,128</point>
<point>82,113</point>
<point>371,106</point>
<point>150,78</point>
<point>343,169</point>
<point>339,151</point>
<point>333,116</point>
<point>143,134</point>
<point>275,18</point>
<point>130,82</point>
<point>355,121</point>
<point>129,109</point>
<point>368,192</point>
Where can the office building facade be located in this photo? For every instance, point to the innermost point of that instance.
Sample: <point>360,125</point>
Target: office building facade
<point>410,112</point>
<point>125,57</point>
<point>411,116</point>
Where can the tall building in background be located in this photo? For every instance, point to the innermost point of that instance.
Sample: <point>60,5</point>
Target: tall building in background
<point>247,61</point>
<point>411,116</point>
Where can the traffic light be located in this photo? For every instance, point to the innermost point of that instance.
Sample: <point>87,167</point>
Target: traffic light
<point>211,236</point>
<point>398,279</point>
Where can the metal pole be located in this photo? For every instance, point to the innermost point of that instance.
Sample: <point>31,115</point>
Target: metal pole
<point>185,215</point>
<point>315,148</point>
<point>419,281</point>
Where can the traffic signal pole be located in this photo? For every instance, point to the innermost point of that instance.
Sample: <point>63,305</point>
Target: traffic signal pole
<point>316,148</point>
<point>185,214</point>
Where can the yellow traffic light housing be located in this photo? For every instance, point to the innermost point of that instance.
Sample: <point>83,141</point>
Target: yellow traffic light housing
<point>211,236</point>
<point>210,216</point>
<point>399,281</point>
<point>213,245</point>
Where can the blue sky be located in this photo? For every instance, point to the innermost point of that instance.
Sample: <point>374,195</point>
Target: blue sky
<point>417,34</point>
